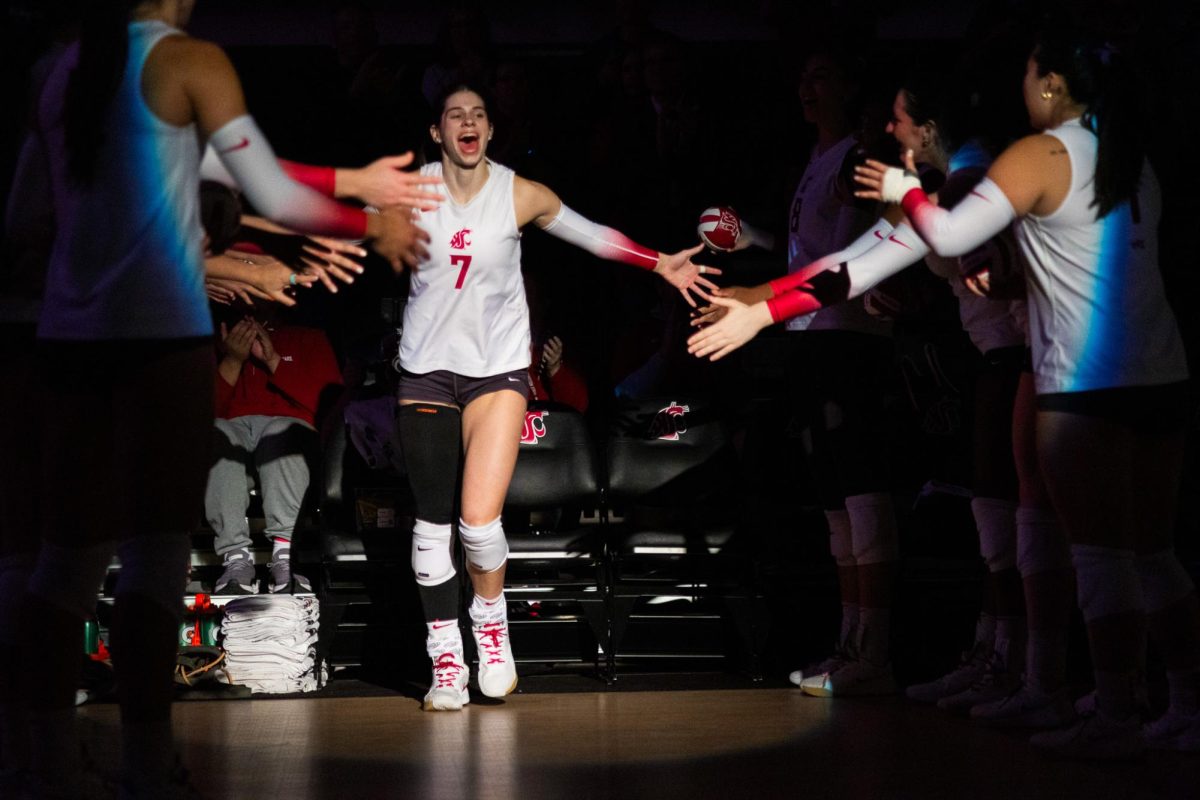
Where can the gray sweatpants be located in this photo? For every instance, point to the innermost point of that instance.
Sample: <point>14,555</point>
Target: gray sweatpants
<point>277,449</point>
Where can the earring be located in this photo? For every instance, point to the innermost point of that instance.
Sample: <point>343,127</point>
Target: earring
<point>1047,94</point>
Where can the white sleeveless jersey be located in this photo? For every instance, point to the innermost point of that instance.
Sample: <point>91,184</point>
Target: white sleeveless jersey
<point>466,309</point>
<point>1098,314</point>
<point>821,223</point>
<point>127,261</point>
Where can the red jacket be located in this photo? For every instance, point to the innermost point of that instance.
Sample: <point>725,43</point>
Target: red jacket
<point>307,368</point>
<point>567,386</point>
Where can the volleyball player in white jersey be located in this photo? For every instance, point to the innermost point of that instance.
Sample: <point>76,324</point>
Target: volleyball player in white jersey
<point>1111,376</point>
<point>126,359</point>
<point>464,387</point>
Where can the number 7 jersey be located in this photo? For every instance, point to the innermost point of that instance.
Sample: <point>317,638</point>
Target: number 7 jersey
<point>466,309</point>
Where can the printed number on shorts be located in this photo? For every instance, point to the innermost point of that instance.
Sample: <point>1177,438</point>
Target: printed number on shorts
<point>465,260</point>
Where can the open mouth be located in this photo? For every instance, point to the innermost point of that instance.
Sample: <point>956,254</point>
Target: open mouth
<point>468,143</point>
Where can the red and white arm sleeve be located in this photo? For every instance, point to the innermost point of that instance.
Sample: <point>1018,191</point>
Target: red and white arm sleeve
<point>321,179</point>
<point>600,241</point>
<point>899,249</point>
<point>877,233</point>
<point>828,281</point>
<point>979,216</point>
<point>247,156</point>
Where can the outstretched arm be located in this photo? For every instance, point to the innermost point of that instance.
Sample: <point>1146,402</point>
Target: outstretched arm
<point>816,286</point>
<point>215,94</point>
<point>381,183</point>
<point>538,204</point>
<point>1031,176</point>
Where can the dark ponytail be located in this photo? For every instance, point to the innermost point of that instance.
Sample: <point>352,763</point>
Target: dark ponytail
<point>1100,78</point>
<point>103,50</point>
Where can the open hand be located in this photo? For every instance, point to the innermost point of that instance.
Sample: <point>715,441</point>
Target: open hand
<point>749,295</point>
<point>331,257</point>
<point>398,238</point>
<point>384,182</point>
<point>678,270</point>
<point>740,324</point>
<point>885,183</point>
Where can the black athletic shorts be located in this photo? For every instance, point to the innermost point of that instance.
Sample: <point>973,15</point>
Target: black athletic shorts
<point>450,388</point>
<point>1160,409</point>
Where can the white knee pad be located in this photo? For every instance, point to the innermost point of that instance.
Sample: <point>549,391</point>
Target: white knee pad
<point>431,561</point>
<point>1107,581</point>
<point>1164,580</point>
<point>841,547</point>
<point>486,547</point>
<point>70,577</point>
<point>14,581</point>
<point>873,528</point>
<point>996,521</point>
<point>155,566</point>
<point>1041,543</point>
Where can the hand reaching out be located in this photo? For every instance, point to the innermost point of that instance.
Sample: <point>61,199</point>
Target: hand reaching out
<point>740,324</point>
<point>678,270</point>
<point>331,257</point>
<point>385,183</point>
<point>749,295</point>
<point>397,238</point>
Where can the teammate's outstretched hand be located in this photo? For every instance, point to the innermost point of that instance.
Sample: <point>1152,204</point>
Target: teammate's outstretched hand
<point>331,257</point>
<point>749,295</point>
<point>385,183</point>
<point>396,237</point>
<point>678,270</point>
<point>740,324</point>
<point>275,280</point>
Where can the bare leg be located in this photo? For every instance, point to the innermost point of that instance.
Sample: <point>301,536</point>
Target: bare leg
<point>491,438</point>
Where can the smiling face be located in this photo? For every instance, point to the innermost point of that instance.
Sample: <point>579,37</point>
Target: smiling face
<point>907,133</point>
<point>464,129</point>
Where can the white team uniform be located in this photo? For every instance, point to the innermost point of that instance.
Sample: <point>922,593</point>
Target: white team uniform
<point>1098,314</point>
<point>820,223</point>
<point>128,258</point>
<point>466,309</point>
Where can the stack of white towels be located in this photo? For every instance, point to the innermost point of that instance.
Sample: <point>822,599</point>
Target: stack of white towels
<point>270,643</point>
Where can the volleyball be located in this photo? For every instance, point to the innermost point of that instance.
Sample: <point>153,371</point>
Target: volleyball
<point>719,228</point>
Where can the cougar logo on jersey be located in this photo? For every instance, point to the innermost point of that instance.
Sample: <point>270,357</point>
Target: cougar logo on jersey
<point>460,241</point>
<point>535,426</point>
<point>669,423</point>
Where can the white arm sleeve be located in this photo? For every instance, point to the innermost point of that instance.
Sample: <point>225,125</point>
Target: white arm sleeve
<point>598,240</point>
<point>890,255</point>
<point>978,217</point>
<point>799,276</point>
<point>248,158</point>
<point>211,168</point>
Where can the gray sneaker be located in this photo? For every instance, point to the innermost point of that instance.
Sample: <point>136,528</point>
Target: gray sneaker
<point>238,577</point>
<point>283,580</point>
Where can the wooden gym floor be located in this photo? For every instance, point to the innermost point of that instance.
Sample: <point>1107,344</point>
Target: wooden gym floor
<point>729,743</point>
